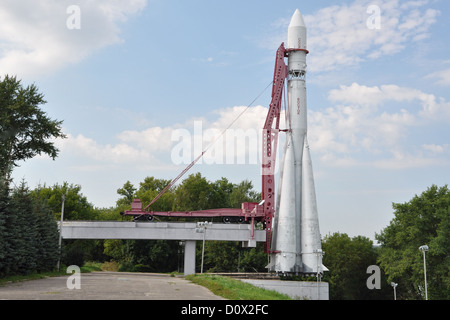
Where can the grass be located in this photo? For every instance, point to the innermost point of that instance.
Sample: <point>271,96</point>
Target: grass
<point>87,267</point>
<point>233,289</point>
<point>92,266</point>
<point>32,276</point>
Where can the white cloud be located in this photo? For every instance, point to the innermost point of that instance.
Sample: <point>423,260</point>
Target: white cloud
<point>376,121</point>
<point>443,77</point>
<point>406,160</point>
<point>433,108</point>
<point>153,139</point>
<point>252,117</point>
<point>153,146</point>
<point>436,148</point>
<point>35,39</point>
<point>338,35</point>
<point>88,149</point>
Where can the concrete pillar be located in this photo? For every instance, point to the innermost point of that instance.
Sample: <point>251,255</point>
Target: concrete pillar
<point>189,257</point>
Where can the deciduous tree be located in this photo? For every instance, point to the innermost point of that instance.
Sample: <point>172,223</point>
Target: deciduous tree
<point>424,220</point>
<point>25,129</point>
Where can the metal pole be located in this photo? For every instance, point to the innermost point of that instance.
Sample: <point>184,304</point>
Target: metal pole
<point>425,273</point>
<point>203,248</point>
<point>319,253</point>
<point>395,293</point>
<point>394,286</point>
<point>204,226</point>
<point>423,249</point>
<point>63,198</point>
<point>318,291</point>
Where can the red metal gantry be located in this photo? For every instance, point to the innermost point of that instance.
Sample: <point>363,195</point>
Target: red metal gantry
<point>270,141</point>
<point>249,211</point>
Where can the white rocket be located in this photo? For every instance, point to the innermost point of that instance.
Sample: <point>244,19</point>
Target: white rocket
<point>296,237</point>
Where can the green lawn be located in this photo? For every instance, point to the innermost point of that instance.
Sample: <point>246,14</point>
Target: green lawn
<point>88,267</point>
<point>233,289</point>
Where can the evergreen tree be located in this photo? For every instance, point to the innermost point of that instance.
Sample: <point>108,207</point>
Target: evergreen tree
<point>4,199</point>
<point>21,225</point>
<point>47,236</point>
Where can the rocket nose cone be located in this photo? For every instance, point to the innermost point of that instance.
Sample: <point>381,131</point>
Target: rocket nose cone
<point>297,32</point>
<point>297,20</point>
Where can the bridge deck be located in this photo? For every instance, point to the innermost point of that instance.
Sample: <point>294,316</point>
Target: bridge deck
<point>158,231</point>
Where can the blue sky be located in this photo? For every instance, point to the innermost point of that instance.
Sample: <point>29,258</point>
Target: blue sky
<point>133,74</point>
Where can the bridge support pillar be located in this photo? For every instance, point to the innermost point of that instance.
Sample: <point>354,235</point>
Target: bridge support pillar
<point>189,257</point>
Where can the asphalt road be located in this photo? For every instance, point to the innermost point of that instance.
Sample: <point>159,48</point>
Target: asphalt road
<point>108,286</point>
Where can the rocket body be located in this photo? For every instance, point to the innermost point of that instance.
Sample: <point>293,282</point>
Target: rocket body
<point>296,236</point>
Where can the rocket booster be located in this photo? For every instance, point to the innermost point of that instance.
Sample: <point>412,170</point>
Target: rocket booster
<point>296,237</point>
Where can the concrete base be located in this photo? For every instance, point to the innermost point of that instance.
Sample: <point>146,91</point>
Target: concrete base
<point>298,290</point>
<point>189,258</point>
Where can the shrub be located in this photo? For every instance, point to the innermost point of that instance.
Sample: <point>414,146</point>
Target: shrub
<point>74,256</point>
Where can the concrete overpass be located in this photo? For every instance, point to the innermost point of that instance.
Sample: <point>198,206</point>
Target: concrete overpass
<point>189,232</point>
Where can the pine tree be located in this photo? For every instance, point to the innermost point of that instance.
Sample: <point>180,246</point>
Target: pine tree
<point>4,199</point>
<point>22,226</point>
<point>47,236</point>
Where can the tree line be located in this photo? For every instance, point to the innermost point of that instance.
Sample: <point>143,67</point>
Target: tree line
<point>422,220</point>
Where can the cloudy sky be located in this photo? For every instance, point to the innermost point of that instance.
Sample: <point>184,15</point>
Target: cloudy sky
<point>143,86</point>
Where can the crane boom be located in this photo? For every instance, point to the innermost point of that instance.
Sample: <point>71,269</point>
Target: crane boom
<point>174,180</point>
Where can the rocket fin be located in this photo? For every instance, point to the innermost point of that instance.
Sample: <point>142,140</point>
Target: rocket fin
<point>310,233</point>
<point>287,229</point>
<point>277,205</point>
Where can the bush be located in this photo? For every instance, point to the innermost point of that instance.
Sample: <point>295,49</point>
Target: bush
<point>126,267</point>
<point>74,256</point>
<point>111,266</point>
<point>142,268</point>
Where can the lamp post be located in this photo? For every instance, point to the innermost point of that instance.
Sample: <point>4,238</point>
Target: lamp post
<point>424,249</point>
<point>201,228</point>
<point>63,199</point>
<point>319,253</point>
<point>394,285</point>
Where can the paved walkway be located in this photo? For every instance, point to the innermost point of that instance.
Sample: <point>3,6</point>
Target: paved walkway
<point>108,286</point>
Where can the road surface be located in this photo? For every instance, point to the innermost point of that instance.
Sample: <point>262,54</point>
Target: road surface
<point>108,286</point>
